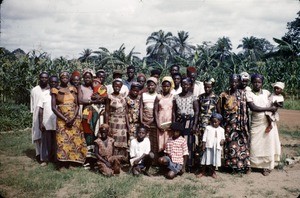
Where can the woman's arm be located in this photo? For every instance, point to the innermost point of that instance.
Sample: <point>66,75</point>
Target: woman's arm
<point>174,109</point>
<point>55,110</point>
<point>256,108</point>
<point>196,114</point>
<point>158,124</point>
<point>107,108</point>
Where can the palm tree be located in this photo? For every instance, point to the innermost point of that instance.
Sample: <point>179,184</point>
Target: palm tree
<point>160,45</point>
<point>222,48</point>
<point>181,46</point>
<point>85,55</point>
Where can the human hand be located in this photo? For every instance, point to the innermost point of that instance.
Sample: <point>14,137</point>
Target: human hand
<point>42,128</point>
<point>108,164</point>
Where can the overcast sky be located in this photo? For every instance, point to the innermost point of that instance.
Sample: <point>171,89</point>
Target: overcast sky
<point>66,27</point>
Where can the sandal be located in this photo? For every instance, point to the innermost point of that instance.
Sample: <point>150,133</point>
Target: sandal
<point>266,172</point>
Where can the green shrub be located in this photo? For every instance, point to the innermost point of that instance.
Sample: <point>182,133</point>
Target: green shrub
<point>13,116</point>
<point>292,104</point>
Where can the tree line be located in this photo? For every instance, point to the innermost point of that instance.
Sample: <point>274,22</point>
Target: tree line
<point>19,70</point>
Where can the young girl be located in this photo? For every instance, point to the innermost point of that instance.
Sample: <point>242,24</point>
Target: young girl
<point>276,99</point>
<point>213,140</point>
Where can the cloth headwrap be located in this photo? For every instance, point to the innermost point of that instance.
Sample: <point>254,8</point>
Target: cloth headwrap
<point>170,80</point>
<point>88,70</point>
<point>217,115</point>
<point>176,126</point>
<point>191,69</point>
<point>118,80</point>
<point>141,75</point>
<point>234,76</point>
<point>117,72</point>
<point>244,76</point>
<point>105,126</point>
<point>135,84</point>
<point>101,71</point>
<point>210,81</point>
<point>186,79</point>
<point>278,84</point>
<point>153,79</point>
<point>75,73</point>
<point>254,76</point>
<point>64,73</point>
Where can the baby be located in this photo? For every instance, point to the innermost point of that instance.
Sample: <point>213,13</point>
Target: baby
<point>276,99</point>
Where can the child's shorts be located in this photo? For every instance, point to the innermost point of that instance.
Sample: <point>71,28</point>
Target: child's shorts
<point>176,168</point>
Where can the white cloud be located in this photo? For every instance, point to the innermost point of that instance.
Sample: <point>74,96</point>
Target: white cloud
<point>66,27</point>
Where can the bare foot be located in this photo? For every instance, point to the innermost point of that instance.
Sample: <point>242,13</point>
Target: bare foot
<point>214,175</point>
<point>200,175</point>
<point>268,129</point>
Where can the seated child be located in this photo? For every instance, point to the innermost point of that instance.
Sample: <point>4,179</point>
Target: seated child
<point>108,163</point>
<point>213,140</point>
<point>140,155</point>
<point>276,99</point>
<point>176,152</point>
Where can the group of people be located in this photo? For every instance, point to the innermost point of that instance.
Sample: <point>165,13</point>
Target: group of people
<point>173,122</point>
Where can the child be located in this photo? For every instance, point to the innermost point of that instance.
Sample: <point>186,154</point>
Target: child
<point>141,157</point>
<point>108,163</point>
<point>213,140</point>
<point>276,99</point>
<point>176,152</point>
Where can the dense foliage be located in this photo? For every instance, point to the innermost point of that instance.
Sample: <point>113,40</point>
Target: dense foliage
<point>19,71</point>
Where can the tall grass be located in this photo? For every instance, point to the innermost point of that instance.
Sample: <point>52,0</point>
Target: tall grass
<point>292,104</point>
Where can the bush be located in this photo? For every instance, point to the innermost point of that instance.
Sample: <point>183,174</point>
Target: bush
<point>13,116</point>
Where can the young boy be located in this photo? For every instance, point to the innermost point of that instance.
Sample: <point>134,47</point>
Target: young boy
<point>47,124</point>
<point>108,163</point>
<point>140,156</point>
<point>176,152</point>
<point>276,99</point>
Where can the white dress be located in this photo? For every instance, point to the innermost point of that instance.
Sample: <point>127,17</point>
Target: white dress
<point>212,155</point>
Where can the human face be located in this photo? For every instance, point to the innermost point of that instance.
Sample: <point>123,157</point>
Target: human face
<point>244,83</point>
<point>156,76</point>
<point>103,133</point>
<point>117,85</point>
<point>88,79</point>
<point>64,80</point>
<point>234,83</point>
<point>141,80</point>
<point>177,80</point>
<point>130,73</point>
<point>192,76</point>
<point>75,80</point>
<point>174,70</point>
<point>53,82</point>
<point>101,76</point>
<point>151,86</point>
<point>141,134</point>
<point>257,84</point>
<point>185,86</point>
<point>166,87</point>
<point>176,134</point>
<point>277,90</point>
<point>215,122</point>
<point>134,92</point>
<point>96,83</point>
<point>208,88</point>
<point>43,78</point>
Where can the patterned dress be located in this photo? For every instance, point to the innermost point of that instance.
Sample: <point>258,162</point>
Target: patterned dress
<point>71,144</point>
<point>165,107</point>
<point>133,115</point>
<point>117,123</point>
<point>185,115</point>
<point>105,150</point>
<point>235,122</point>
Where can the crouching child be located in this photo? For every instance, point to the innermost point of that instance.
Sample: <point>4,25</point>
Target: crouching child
<point>140,155</point>
<point>108,163</point>
<point>176,152</point>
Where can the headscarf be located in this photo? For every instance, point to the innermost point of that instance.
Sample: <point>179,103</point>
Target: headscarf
<point>152,79</point>
<point>254,76</point>
<point>170,80</point>
<point>186,79</point>
<point>88,70</point>
<point>118,80</point>
<point>244,76</point>
<point>141,75</point>
<point>209,81</point>
<point>278,84</point>
<point>64,73</point>
<point>191,69</point>
<point>105,126</point>
<point>233,76</point>
<point>135,84</point>
<point>218,116</point>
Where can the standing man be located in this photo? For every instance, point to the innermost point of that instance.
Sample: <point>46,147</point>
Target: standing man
<point>197,87</point>
<point>130,76</point>
<point>36,95</point>
<point>174,69</point>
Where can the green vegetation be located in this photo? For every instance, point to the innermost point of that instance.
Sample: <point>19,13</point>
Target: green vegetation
<point>292,104</point>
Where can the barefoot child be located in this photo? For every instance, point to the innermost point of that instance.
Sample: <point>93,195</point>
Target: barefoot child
<point>176,152</point>
<point>213,140</point>
<point>141,157</point>
<point>108,163</point>
<point>276,99</point>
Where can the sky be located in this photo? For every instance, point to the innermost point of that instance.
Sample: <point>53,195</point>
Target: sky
<point>67,27</point>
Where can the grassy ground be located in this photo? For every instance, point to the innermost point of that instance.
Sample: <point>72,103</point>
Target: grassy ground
<point>21,176</point>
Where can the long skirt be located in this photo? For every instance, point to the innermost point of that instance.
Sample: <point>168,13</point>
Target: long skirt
<point>71,144</point>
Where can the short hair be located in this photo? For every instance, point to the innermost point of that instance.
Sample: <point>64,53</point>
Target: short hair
<point>130,67</point>
<point>141,127</point>
<point>43,72</point>
<point>176,74</point>
<point>177,126</point>
<point>254,76</point>
<point>155,72</point>
<point>53,76</point>
<point>175,65</point>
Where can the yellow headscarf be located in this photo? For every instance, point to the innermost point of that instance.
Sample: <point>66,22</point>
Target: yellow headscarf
<point>170,80</point>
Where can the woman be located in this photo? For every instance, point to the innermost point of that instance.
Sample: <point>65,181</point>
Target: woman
<point>147,114</point>
<point>232,106</point>
<point>185,111</point>
<point>163,106</point>
<point>265,147</point>
<point>116,118</point>
<point>71,146</point>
